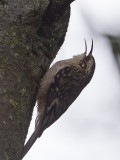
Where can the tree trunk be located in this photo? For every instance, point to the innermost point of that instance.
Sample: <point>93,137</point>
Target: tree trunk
<point>31,33</point>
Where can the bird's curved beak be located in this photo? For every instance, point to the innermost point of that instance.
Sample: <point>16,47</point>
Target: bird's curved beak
<point>85,53</point>
<point>90,53</point>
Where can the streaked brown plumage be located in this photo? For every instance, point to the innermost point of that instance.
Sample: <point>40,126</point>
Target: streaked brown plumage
<point>59,87</point>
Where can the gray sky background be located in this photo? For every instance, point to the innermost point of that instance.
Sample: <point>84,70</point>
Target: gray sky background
<point>90,129</point>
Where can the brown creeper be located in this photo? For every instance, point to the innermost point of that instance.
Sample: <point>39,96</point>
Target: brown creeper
<point>59,87</point>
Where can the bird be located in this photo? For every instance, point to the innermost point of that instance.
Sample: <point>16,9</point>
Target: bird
<point>59,88</point>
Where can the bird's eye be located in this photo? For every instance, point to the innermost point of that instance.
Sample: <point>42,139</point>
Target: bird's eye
<point>82,64</point>
<point>87,58</point>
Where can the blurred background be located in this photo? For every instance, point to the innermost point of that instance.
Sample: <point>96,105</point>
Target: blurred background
<point>90,129</point>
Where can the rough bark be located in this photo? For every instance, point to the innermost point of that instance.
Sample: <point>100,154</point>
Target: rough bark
<point>31,33</point>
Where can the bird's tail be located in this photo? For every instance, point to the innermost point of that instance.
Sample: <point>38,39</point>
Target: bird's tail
<point>31,141</point>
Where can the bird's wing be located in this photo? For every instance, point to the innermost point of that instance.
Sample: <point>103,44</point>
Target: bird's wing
<point>57,97</point>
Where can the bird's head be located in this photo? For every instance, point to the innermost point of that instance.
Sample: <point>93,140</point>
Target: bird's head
<point>86,62</point>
